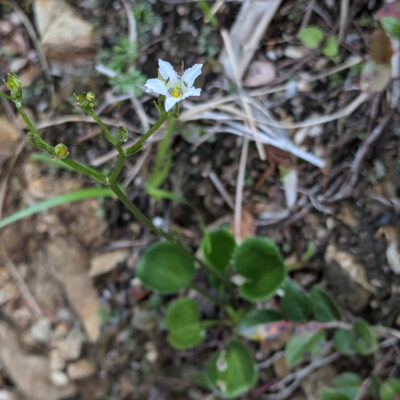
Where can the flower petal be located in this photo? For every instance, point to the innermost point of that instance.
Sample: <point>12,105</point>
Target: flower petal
<point>167,71</point>
<point>170,102</point>
<point>192,92</point>
<point>191,74</point>
<point>156,86</point>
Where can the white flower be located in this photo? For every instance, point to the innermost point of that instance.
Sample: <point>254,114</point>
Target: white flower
<point>173,86</point>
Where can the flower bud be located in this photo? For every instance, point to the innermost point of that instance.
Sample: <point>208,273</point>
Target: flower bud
<point>61,151</point>
<point>122,134</point>
<point>85,101</point>
<point>13,84</point>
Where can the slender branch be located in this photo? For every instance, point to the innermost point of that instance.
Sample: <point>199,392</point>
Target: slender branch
<point>138,145</point>
<point>109,135</point>
<point>118,167</point>
<point>206,295</point>
<point>77,166</point>
<point>5,96</point>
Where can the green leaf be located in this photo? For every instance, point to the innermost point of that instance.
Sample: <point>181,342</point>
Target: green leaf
<point>342,340</point>
<point>311,37</point>
<point>217,247</point>
<point>295,304</point>
<point>331,48</point>
<point>165,268</point>
<point>232,372</point>
<point>298,346</point>
<point>324,307</point>
<point>390,389</point>
<point>253,324</point>
<point>348,383</point>
<point>391,25</point>
<point>333,394</point>
<point>183,322</point>
<point>364,341</point>
<point>259,261</point>
<point>65,198</point>
<point>346,387</point>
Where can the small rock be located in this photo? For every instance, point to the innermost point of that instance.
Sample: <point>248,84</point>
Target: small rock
<point>81,369</point>
<point>57,361</point>
<point>61,29</point>
<point>70,347</point>
<point>259,73</point>
<point>59,378</point>
<point>145,320</point>
<point>41,330</point>
<point>151,352</point>
<point>7,395</point>
<point>295,52</point>
<point>106,262</point>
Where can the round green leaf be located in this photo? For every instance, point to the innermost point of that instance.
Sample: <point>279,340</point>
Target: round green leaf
<point>331,48</point>
<point>252,326</point>
<point>217,247</point>
<point>311,37</point>
<point>183,322</point>
<point>166,268</point>
<point>391,25</point>
<point>295,304</point>
<point>299,345</point>
<point>333,394</point>
<point>232,372</point>
<point>364,341</point>
<point>342,340</point>
<point>324,307</point>
<point>345,387</point>
<point>259,261</point>
<point>390,389</point>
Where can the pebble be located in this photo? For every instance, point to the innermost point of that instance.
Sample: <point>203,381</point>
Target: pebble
<point>41,330</point>
<point>81,369</point>
<point>59,378</point>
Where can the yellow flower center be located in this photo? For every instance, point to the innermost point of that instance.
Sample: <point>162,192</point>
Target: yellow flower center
<point>176,92</point>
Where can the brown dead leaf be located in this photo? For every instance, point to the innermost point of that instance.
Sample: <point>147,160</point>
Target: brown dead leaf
<point>70,264</point>
<point>247,226</point>
<point>392,250</point>
<point>8,139</point>
<point>349,264</point>
<point>106,262</point>
<point>63,33</point>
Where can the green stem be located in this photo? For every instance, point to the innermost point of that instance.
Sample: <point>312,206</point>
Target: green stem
<point>109,135</point>
<point>118,167</point>
<point>6,96</point>
<point>135,147</point>
<point>77,166</point>
<point>216,322</point>
<point>138,214</point>
<point>206,295</point>
<point>145,221</point>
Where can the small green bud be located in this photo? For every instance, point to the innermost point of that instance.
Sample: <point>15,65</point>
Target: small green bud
<point>13,84</point>
<point>122,134</point>
<point>85,101</point>
<point>90,97</point>
<point>61,151</point>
